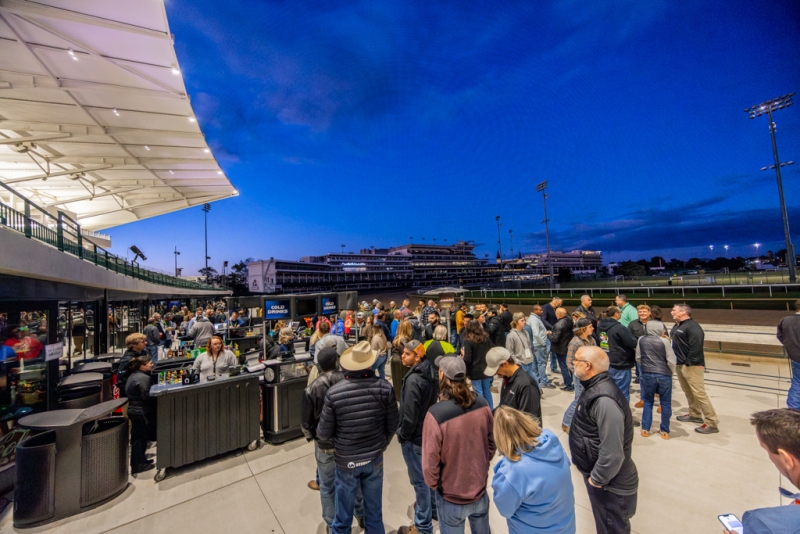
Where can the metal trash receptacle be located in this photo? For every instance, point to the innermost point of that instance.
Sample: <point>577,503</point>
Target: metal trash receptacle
<point>80,390</point>
<point>104,455</point>
<point>34,493</point>
<point>104,368</point>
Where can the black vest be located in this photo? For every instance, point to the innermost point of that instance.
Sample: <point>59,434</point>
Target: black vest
<point>584,437</point>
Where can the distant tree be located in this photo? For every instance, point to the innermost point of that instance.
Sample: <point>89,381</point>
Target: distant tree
<point>695,263</point>
<point>675,263</point>
<point>629,268</point>
<point>210,274</point>
<point>237,280</point>
<point>564,275</point>
<point>658,261</point>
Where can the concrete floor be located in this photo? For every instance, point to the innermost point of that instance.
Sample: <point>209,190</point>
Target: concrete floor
<point>685,482</point>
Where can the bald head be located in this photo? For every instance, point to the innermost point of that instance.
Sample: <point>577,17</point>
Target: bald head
<point>561,312</point>
<point>590,361</point>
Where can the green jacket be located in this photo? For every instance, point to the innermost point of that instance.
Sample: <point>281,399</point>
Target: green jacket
<point>629,314</point>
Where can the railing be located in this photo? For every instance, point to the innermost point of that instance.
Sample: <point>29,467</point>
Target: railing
<point>66,235</point>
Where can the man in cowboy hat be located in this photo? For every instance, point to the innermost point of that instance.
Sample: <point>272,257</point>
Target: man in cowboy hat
<point>360,417</point>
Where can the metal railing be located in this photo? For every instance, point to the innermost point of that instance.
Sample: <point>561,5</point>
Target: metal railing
<point>65,234</point>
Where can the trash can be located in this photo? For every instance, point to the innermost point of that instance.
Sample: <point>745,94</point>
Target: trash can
<point>78,461</point>
<point>34,493</point>
<point>105,368</point>
<point>80,390</point>
<point>104,454</point>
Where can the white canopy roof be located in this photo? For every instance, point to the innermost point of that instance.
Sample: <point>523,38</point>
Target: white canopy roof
<point>94,115</point>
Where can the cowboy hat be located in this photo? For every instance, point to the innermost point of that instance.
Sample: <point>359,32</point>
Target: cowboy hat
<point>358,357</point>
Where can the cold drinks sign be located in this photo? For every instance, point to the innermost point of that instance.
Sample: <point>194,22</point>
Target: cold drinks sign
<point>276,309</point>
<point>328,305</point>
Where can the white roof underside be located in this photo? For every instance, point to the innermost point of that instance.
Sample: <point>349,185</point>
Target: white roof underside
<point>93,85</point>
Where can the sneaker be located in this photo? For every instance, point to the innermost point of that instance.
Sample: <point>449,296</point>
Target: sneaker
<point>639,404</point>
<point>689,419</point>
<point>645,433</point>
<point>665,435</point>
<point>705,429</point>
<point>408,530</point>
<point>549,386</point>
<point>565,428</point>
<point>143,469</point>
<point>565,388</point>
<point>636,380</point>
<point>313,485</point>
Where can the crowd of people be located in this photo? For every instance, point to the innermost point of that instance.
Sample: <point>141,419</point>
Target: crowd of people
<point>440,406</point>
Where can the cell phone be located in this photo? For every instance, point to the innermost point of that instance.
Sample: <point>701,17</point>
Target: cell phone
<point>731,523</point>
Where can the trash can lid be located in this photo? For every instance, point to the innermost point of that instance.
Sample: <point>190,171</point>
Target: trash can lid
<point>80,379</point>
<point>62,418</point>
<point>92,367</point>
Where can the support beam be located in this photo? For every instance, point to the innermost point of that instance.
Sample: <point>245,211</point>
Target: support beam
<point>66,172</point>
<point>33,138</point>
<point>60,202</point>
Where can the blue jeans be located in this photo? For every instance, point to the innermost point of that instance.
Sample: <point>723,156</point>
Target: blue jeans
<point>530,368</point>
<point>326,479</point>
<point>622,377</point>
<point>152,350</point>
<point>566,375</point>
<point>553,361</point>
<point>483,388</point>
<point>423,512</point>
<point>661,385</point>
<point>380,365</point>
<point>793,399</point>
<point>453,516</point>
<point>540,365</point>
<point>570,413</point>
<point>369,479</point>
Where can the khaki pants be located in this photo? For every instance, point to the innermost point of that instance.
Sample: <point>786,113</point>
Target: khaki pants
<point>691,380</point>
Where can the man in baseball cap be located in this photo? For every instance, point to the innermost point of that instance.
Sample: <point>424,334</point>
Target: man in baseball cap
<point>518,391</point>
<point>417,396</point>
<point>360,418</point>
<point>458,444</point>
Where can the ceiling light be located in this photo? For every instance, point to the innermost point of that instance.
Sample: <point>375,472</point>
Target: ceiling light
<point>175,70</point>
<point>116,112</point>
<point>206,150</point>
<point>235,192</point>
<point>219,172</point>
<point>146,147</point>
<point>71,52</point>
<point>171,172</point>
<point>192,119</point>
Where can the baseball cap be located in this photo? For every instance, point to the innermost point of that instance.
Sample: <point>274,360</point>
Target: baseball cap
<point>326,358</point>
<point>416,347</point>
<point>494,358</point>
<point>581,323</point>
<point>360,314</point>
<point>453,367</point>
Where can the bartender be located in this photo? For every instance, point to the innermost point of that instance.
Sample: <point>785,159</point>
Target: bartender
<point>216,360</point>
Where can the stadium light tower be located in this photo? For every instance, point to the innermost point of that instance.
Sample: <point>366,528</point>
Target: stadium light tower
<point>540,188</point>
<point>206,209</point>
<point>767,108</point>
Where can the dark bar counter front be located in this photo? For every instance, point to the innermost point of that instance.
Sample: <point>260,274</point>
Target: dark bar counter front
<point>205,419</point>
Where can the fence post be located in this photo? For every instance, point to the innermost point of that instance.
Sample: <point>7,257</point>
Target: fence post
<point>80,241</point>
<point>60,231</point>
<point>27,221</point>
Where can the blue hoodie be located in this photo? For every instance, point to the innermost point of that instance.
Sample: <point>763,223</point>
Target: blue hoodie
<point>536,493</point>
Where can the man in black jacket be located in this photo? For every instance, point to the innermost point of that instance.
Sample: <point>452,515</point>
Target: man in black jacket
<point>494,327</point>
<point>600,440</point>
<point>549,319</point>
<point>620,346</point>
<point>687,342</point>
<point>433,322</point>
<point>789,336</point>
<point>519,391</point>
<point>360,417</point>
<point>587,310</point>
<point>559,339</point>
<point>313,401</point>
<point>418,395</point>
<point>506,318</point>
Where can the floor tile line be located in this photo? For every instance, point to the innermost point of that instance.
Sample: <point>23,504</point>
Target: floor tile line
<point>278,519</point>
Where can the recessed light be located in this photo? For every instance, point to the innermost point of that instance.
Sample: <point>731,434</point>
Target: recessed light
<point>192,119</point>
<point>175,70</point>
<point>171,172</point>
<point>146,147</point>
<point>116,112</point>
<point>219,172</point>
<point>235,192</point>
<point>206,150</point>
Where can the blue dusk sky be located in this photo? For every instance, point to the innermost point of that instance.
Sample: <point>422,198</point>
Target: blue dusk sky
<point>366,123</point>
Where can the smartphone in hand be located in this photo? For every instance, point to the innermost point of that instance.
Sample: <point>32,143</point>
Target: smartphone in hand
<point>731,523</point>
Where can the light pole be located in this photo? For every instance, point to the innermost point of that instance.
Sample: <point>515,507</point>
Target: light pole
<point>343,245</point>
<point>511,257</point>
<point>224,269</point>
<point>206,209</point>
<point>176,260</point>
<point>500,247</point>
<point>768,107</point>
<point>726,251</point>
<point>540,188</point>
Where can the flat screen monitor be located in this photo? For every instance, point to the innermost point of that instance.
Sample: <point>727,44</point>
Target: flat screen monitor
<point>305,306</point>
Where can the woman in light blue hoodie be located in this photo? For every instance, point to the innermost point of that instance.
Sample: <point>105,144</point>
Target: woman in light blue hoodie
<point>532,483</point>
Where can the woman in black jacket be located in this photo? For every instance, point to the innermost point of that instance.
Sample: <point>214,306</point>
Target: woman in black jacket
<point>476,345</point>
<point>136,347</point>
<point>141,412</point>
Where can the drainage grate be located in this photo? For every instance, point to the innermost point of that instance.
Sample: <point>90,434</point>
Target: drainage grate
<point>739,364</point>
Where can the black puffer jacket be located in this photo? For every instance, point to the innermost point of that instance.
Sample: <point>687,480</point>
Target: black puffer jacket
<point>122,370</point>
<point>313,401</point>
<point>137,389</point>
<point>561,336</point>
<point>618,342</point>
<point>419,394</point>
<point>359,416</point>
<point>497,334</point>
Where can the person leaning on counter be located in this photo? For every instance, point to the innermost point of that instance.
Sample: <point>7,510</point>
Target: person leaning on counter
<point>216,360</point>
